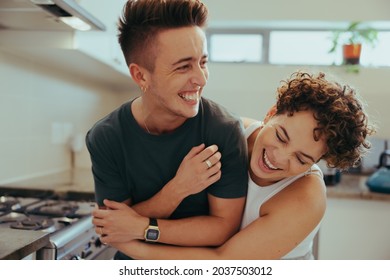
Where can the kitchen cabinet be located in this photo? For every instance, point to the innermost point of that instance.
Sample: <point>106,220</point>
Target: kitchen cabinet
<point>355,229</point>
<point>94,56</point>
<point>103,46</point>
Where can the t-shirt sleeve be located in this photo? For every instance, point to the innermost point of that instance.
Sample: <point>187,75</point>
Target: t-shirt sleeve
<point>103,147</point>
<point>233,147</point>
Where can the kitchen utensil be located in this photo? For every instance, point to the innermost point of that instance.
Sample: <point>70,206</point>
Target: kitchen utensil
<point>380,180</point>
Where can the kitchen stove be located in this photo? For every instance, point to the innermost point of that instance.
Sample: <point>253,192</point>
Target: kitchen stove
<point>69,223</point>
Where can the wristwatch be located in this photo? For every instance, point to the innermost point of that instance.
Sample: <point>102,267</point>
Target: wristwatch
<point>152,232</point>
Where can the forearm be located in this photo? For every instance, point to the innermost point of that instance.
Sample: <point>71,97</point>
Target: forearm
<point>213,230</point>
<point>197,231</point>
<point>144,251</point>
<point>163,203</point>
<point>223,221</point>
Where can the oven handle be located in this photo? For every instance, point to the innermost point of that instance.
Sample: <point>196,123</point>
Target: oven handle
<point>63,237</point>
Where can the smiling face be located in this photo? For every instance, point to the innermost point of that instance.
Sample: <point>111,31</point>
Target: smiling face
<point>285,147</point>
<point>175,85</point>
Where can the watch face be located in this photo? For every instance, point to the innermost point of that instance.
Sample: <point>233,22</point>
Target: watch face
<point>152,234</point>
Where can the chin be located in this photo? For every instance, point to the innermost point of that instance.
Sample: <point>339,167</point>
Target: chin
<point>191,113</point>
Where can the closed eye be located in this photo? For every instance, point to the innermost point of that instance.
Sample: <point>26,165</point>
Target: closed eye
<point>184,67</point>
<point>280,138</point>
<point>301,161</point>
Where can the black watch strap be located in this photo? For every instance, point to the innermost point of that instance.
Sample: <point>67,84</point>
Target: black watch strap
<point>153,222</point>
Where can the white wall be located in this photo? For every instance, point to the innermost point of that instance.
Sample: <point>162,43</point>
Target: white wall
<point>32,97</point>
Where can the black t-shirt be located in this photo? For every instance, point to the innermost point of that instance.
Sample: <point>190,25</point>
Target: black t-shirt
<point>127,162</point>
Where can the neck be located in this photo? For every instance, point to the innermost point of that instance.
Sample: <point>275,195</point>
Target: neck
<point>157,122</point>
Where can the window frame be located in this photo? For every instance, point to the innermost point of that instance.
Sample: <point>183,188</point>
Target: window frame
<point>265,33</point>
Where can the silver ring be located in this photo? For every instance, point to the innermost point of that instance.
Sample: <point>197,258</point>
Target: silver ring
<point>208,163</point>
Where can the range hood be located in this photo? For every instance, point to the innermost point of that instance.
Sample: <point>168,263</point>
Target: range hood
<point>46,15</point>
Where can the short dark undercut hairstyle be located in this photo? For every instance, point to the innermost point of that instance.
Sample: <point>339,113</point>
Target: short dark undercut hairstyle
<point>142,20</point>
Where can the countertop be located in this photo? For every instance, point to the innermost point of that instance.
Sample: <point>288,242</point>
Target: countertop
<point>17,244</point>
<point>78,184</point>
<point>73,185</point>
<point>354,186</point>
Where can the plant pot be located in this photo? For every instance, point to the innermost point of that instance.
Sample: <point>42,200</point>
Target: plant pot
<point>351,53</point>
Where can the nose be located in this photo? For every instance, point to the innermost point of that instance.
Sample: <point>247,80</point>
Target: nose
<point>200,76</point>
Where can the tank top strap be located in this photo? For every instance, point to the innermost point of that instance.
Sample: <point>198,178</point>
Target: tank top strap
<point>252,127</point>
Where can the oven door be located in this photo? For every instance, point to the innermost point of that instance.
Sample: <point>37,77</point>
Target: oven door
<point>79,242</point>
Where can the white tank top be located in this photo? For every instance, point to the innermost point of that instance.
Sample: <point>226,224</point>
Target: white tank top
<point>258,195</point>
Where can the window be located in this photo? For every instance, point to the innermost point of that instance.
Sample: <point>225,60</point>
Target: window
<point>289,47</point>
<point>301,47</point>
<point>236,47</point>
<point>378,56</point>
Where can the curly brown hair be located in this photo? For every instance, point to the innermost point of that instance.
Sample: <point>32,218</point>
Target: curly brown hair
<point>341,118</point>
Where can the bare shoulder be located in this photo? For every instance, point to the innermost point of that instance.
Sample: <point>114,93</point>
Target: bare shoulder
<point>247,121</point>
<point>308,192</point>
<point>310,188</point>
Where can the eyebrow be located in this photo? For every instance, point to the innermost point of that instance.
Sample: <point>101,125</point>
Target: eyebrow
<point>186,59</point>
<point>288,138</point>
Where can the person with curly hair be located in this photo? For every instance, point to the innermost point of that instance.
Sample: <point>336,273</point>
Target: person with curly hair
<point>313,119</point>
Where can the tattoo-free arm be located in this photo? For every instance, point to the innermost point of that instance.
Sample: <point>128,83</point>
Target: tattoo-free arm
<point>212,230</point>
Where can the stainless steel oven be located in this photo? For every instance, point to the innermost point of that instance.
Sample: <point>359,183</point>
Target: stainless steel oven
<point>69,224</point>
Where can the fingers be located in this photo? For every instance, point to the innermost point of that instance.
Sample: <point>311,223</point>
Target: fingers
<point>202,152</point>
<point>213,160</point>
<point>209,152</point>
<point>208,156</point>
<point>110,204</point>
<point>214,178</point>
<point>102,235</point>
<point>195,150</point>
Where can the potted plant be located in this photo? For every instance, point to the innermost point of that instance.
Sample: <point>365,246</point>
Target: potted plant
<point>352,39</point>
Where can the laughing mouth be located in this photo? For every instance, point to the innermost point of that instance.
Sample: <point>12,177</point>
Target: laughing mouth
<point>268,163</point>
<point>190,97</point>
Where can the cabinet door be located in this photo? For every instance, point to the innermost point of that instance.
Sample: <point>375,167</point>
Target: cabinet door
<point>355,229</point>
<point>103,45</point>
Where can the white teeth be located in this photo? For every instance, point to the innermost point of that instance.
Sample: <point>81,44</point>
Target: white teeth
<point>268,163</point>
<point>190,97</point>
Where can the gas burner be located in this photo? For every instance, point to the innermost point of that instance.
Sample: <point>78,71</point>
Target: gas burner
<point>8,203</point>
<point>55,209</point>
<point>67,222</point>
<point>33,224</point>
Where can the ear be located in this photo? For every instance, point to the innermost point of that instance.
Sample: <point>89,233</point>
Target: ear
<point>270,114</point>
<point>138,74</point>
